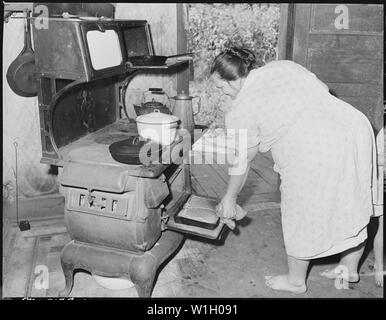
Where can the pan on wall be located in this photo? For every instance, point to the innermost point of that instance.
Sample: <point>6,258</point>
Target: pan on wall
<point>21,72</point>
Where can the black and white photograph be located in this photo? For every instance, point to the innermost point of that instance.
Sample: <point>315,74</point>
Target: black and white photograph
<point>193,150</point>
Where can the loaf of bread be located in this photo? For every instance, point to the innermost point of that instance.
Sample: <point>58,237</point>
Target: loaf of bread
<point>199,214</point>
<point>201,210</point>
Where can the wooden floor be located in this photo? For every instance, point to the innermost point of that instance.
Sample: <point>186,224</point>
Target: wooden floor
<point>234,267</point>
<point>262,184</point>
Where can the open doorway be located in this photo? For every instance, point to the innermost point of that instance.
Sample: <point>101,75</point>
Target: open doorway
<point>214,27</point>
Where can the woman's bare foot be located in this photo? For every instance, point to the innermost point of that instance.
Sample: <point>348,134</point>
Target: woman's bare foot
<point>347,269</point>
<point>378,275</point>
<point>338,271</point>
<point>282,283</point>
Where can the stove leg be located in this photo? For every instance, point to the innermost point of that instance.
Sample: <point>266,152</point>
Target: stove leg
<point>68,270</point>
<point>145,288</point>
<point>142,275</point>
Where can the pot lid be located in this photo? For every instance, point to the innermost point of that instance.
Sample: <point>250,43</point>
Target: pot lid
<point>132,146</point>
<point>157,117</point>
<point>153,103</point>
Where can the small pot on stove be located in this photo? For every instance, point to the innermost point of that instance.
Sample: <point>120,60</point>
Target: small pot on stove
<point>153,104</point>
<point>135,150</point>
<point>158,127</point>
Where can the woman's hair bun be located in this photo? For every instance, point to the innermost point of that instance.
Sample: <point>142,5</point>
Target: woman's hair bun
<point>247,56</point>
<point>234,63</point>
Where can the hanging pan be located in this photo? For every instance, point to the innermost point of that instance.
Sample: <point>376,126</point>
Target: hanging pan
<point>21,72</point>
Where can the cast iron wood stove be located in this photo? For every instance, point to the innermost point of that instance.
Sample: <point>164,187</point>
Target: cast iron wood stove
<point>120,217</point>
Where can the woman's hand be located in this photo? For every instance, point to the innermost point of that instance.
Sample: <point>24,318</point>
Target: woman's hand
<point>227,208</point>
<point>227,211</point>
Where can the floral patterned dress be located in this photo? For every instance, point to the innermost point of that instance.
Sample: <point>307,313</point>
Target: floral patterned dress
<point>324,151</point>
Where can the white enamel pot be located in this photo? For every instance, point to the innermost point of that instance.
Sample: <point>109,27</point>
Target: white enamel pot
<point>158,126</point>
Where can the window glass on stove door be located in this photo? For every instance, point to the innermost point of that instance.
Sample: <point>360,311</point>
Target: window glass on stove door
<point>104,48</point>
<point>137,41</point>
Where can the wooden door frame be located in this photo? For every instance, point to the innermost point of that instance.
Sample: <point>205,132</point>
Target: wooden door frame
<point>286,31</point>
<point>182,45</point>
<point>294,17</point>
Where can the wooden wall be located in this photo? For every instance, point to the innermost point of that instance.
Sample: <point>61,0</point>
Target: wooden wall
<point>343,46</point>
<point>21,124</point>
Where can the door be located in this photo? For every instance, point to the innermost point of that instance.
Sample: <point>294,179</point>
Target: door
<point>343,45</point>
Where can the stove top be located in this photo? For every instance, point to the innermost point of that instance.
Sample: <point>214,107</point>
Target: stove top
<point>98,155</point>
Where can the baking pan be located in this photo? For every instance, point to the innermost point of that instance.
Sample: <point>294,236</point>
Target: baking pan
<point>199,212</point>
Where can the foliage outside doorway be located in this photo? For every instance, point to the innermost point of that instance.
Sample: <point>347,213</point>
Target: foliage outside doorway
<point>214,27</point>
